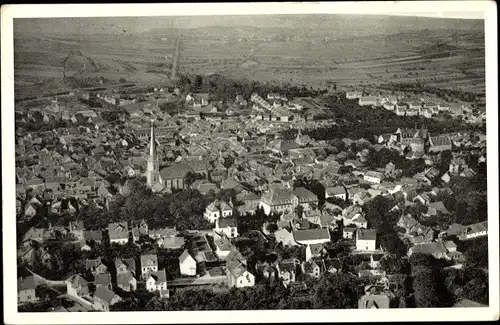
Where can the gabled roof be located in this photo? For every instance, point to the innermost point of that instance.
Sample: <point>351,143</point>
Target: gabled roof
<point>179,170</point>
<point>366,234</point>
<point>104,294</point>
<point>185,256</point>
<point>160,276</point>
<point>103,279</point>
<point>311,234</point>
<point>26,283</point>
<point>227,222</point>
<point>149,260</point>
<point>439,141</point>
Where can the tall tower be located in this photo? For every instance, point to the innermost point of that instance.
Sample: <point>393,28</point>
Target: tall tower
<point>153,167</point>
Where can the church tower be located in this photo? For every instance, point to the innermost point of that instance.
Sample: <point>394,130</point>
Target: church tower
<point>153,167</point>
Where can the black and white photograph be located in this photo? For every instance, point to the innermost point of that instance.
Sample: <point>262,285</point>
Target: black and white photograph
<point>290,158</point>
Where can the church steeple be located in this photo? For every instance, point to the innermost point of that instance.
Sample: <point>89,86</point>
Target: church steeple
<point>153,167</point>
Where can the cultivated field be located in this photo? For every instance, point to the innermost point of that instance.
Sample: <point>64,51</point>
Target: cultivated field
<point>442,57</point>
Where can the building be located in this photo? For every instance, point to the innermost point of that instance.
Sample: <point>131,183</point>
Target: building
<point>475,230</point>
<point>439,143</point>
<point>338,192</point>
<point>436,249</point>
<point>149,263</point>
<point>126,281</point>
<point>366,240</point>
<point>153,176</point>
<point>277,200</point>
<point>187,264</point>
<point>103,280</point>
<point>315,250</point>
<point>285,237</point>
<point>367,100</point>
<point>304,197</point>
<point>238,275</point>
<point>104,298</point>
<point>157,281</point>
<point>311,268</point>
<point>286,271</point>
<point>96,266</point>
<point>174,176</point>
<point>26,290</point>
<point>349,232</point>
<point>119,232</point>
<point>77,286</point>
<point>227,226</point>
<point>126,265</point>
<point>374,177</point>
<point>311,236</point>
<point>374,301</point>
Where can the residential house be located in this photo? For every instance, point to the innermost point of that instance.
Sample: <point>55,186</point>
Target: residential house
<point>126,281</point>
<point>149,263</point>
<point>238,275</point>
<point>33,235</point>
<point>285,237</point>
<point>77,286</point>
<point>156,281</point>
<point>374,301</point>
<point>375,260</point>
<point>170,242</point>
<point>373,177</point>
<point>367,100</point>
<point>436,249</point>
<point>315,250</point>
<point>93,235</point>
<point>366,239</point>
<point>26,290</point>
<point>349,231</point>
<point>187,264</point>
<point>76,229</point>
<point>96,266</point>
<point>475,230</point>
<point>104,298</point>
<point>331,266</point>
<point>103,280</point>
<point>286,271</point>
<point>266,270</point>
<point>125,265</point>
<point>311,268</point>
<point>228,226</point>
<point>118,232</point>
<point>338,192</point>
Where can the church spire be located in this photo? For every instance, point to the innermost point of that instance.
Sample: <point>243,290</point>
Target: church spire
<point>152,144</point>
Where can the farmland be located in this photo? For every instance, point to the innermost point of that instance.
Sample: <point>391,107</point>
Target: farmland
<point>440,57</point>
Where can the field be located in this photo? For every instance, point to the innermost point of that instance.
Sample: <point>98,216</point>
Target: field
<point>442,57</point>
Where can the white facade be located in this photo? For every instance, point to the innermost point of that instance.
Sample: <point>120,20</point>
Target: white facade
<point>212,216</point>
<point>146,269</point>
<point>365,245</point>
<point>188,266</point>
<point>371,179</point>
<point>246,279</point>
<point>119,241</point>
<point>152,285</point>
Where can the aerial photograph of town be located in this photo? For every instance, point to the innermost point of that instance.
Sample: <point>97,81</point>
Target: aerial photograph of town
<point>187,163</point>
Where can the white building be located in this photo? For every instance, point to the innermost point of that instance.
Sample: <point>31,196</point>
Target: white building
<point>149,263</point>
<point>366,240</point>
<point>187,264</point>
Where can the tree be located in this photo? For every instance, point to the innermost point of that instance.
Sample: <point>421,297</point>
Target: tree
<point>338,291</point>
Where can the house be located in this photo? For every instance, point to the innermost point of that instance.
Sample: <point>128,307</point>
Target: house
<point>349,232</point>
<point>315,250</point>
<point>304,197</point>
<point>26,290</point>
<point>104,298</point>
<point>238,275</point>
<point>149,263</point>
<point>103,280</point>
<point>125,265</point>
<point>475,230</point>
<point>367,100</point>
<point>118,232</point>
<point>373,177</point>
<point>77,286</point>
<point>96,266</point>
<point>311,236</point>
<point>157,281</point>
<point>93,235</point>
<point>76,229</point>
<point>126,281</point>
<point>286,271</point>
<point>331,266</point>
<point>450,246</point>
<point>187,264</point>
<point>285,237</point>
<point>375,260</point>
<point>277,200</point>
<point>436,249</point>
<point>311,268</point>
<point>338,192</point>
<point>366,239</point>
<point>439,143</point>
<point>171,242</point>
<point>228,226</point>
<point>33,235</point>
<point>212,212</point>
